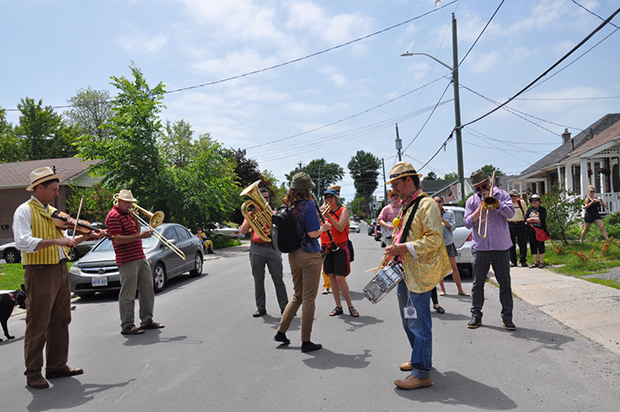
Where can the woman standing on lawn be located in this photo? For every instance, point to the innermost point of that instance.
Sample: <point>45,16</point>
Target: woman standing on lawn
<point>592,206</point>
<point>536,218</point>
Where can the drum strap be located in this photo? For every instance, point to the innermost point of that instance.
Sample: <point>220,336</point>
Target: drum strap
<point>409,222</point>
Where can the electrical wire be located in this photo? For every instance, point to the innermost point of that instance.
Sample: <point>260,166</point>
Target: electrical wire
<point>481,33</point>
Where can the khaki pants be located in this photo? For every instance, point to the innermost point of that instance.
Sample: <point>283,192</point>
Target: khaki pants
<point>48,314</point>
<point>136,275</point>
<point>306,271</point>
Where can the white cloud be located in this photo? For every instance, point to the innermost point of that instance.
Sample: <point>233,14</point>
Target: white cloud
<point>142,43</point>
<point>334,76</point>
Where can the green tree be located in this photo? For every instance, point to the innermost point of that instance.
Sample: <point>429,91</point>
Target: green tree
<point>90,110</point>
<point>42,133</point>
<point>323,174</point>
<point>564,208</point>
<point>363,168</point>
<point>430,176</point>
<point>10,148</point>
<point>451,176</point>
<point>176,143</point>
<point>130,155</point>
<point>246,169</point>
<point>96,204</point>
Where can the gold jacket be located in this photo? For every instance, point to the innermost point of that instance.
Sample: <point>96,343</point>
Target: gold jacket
<point>432,265</point>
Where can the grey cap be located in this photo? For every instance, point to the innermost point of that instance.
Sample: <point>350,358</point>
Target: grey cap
<point>514,192</point>
<point>302,181</point>
<point>478,177</point>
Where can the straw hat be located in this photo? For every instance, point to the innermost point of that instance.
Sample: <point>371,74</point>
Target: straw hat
<point>41,175</point>
<point>125,195</point>
<point>400,170</point>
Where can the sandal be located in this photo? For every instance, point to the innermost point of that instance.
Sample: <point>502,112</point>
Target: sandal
<point>533,265</point>
<point>353,312</point>
<point>336,311</point>
<point>131,331</point>
<point>153,325</point>
<point>541,266</point>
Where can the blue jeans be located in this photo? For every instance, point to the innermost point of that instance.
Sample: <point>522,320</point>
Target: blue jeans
<point>419,331</point>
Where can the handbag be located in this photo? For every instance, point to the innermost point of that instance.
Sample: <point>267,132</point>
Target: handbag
<point>541,235</point>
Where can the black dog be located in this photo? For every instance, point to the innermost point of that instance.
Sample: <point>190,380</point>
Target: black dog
<point>7,302</point>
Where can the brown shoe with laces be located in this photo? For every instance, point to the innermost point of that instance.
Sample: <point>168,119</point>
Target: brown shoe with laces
<point>406,367</point>
<point>37,382</point>
<point>411,382</point>
<point>63,372</point>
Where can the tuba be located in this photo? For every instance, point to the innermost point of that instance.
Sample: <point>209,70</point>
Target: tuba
<point>488,203</point>
<point>260,219</point>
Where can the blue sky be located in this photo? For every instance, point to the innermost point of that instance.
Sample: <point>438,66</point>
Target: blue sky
<point>335,103</point>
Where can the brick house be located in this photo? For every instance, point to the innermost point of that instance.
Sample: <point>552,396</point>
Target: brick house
<point>15,178</point>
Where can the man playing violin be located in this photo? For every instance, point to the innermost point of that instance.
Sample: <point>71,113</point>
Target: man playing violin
<point>45,250</point>
<point>494,248</point>
<point>133,268</point>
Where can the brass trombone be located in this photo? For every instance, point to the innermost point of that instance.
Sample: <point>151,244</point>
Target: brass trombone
<point>488,203</point>
<point>155,219</point>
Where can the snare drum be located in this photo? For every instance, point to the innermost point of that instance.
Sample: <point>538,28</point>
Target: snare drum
<point>384,282</point>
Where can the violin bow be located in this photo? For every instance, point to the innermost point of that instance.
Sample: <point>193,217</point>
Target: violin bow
<point>77,219</point>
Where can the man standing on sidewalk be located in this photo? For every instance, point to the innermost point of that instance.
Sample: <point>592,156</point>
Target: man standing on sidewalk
<point>490,246</point>
<point>262,253</point>
<point>48,307</point>
<point>518,230</point>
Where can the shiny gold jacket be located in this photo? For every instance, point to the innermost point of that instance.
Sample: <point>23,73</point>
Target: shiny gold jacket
<point>432,265</point>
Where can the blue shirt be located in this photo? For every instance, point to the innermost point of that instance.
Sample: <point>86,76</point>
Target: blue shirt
<point>307,220</point>
<point>448,236</point>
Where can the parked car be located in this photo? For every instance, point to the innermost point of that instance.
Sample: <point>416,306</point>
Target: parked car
<point>354,227</point>
<point>227,231</point>
<point>462,238</point>
<point>371,227</point>
<point>97,270</point>
<point>11,255</point>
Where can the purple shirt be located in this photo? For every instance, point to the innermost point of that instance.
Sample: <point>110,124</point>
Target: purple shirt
<point>498,233</point>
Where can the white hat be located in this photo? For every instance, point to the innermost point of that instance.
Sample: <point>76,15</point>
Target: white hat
<point>125,195</point>
<point>41,175</point>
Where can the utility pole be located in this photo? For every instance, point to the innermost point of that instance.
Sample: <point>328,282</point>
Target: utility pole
<point>457,107</point>
<point>384,185</point>
<point>399,144</point>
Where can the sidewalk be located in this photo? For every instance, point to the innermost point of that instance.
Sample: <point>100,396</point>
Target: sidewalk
<point>588,308</point>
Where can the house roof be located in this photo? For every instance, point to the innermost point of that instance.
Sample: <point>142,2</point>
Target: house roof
<point>608,135</point>
<point>17,174</point>
<point>433,186</point>
<point>566,150</point>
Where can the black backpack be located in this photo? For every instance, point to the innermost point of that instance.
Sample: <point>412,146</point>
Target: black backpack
<point>284,235</point>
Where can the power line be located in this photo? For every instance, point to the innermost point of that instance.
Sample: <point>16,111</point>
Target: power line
<point>481,33</point>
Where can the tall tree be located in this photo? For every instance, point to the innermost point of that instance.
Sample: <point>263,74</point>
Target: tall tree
<point>90,110</point>
<point>430,176</point>
<point>246,169</point>
<point>363,168</point>
<point>42,132</point>
<point>176,143</point>
<point>451,176</point>
<point>130,155</point>
<point>10,148</point>
<point>323,174</point>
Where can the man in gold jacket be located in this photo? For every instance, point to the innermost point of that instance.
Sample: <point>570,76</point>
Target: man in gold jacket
<point>44,256</point>
<point>419,245</point>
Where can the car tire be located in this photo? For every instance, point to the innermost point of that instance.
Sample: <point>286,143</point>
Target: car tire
<point>86,295</point>
<point>12,256</point>
<point>160,278</point>
<point>197,271</point>
<point>74,255</point>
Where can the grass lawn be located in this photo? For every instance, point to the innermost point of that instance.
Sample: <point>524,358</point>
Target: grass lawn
<point>12,275</point>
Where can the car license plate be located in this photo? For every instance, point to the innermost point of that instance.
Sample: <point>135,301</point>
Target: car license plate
<point>100,281</point>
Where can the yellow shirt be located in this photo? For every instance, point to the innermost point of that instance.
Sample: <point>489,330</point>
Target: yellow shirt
<point>519,215</point>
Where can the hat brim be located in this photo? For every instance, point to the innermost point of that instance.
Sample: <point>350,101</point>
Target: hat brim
<point>42,180</point>
<point>389,182</point>
<point>117,197</point>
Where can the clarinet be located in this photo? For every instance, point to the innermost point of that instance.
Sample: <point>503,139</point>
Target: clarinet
<point>329,232</point>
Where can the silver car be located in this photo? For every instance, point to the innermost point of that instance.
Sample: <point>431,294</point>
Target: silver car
<point>462,237</point>
<point>97,270</point>
<point>10,254</point>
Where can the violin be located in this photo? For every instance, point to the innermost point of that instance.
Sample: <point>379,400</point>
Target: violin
<point>63,221</point>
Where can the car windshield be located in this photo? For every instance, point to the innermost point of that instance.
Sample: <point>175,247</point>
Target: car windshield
<point>148,243</point>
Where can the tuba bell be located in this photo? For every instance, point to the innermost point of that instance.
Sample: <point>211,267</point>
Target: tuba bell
<point>260,219</point>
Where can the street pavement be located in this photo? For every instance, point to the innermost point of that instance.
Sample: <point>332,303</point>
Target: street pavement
<point>213,355</point>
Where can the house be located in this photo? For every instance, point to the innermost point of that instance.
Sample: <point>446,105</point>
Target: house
<point>592,157</point>
<point>448,189</point>
<point>15,178</point>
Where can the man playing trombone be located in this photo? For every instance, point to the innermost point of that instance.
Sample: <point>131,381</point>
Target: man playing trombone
<point>490,245</point>
<point>133,268</point>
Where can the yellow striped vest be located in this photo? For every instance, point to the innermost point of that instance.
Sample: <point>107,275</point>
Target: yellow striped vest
<point>43,227</point>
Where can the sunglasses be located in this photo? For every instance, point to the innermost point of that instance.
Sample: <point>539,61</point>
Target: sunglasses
<point>438,201</point>
<point>482,187</point>
<point>394,195</point>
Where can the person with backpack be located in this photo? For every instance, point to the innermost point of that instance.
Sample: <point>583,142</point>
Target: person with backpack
<point>337,263</point>
<point>305,261</point>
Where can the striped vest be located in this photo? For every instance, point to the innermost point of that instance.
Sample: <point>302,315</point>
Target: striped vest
<point>43,227</point>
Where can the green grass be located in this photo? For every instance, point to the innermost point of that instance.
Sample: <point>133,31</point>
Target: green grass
<point>12,275</point>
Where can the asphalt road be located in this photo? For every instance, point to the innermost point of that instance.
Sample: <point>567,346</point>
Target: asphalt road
<point>214,356</point>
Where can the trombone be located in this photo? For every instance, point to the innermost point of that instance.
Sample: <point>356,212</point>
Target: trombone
<point>155,219</point>
<point>488,203</point>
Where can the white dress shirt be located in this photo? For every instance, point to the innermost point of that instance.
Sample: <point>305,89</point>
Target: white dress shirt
<point>22,219</point>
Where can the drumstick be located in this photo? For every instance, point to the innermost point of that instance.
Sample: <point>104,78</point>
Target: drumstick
<point>381,265</point>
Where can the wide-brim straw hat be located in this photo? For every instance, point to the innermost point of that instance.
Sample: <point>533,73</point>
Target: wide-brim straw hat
<point>41,175</point>
<point>400,170</point>
<point>125,195</point>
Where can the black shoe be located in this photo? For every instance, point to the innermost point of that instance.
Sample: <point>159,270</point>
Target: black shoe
<point>259,313</point>
<point>524,264</point>
<point>281,337</point>
<point>512,265</point>
<point>474,323</point>
<point>508,325</point>
<point>439,309</point>
<point>309,346</point>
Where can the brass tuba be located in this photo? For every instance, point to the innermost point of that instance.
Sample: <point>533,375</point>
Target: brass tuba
<point>260,219</point>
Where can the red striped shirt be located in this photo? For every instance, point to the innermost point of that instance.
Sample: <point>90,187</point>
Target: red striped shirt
<point>119,223</point>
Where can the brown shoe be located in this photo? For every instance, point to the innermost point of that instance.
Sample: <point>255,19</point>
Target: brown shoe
<point>61,373</point>
<point>411,382</point>
<point>406,367</point>
<point>38,382</point>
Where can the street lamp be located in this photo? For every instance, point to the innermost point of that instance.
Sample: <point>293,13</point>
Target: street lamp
<point>457,103</point>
